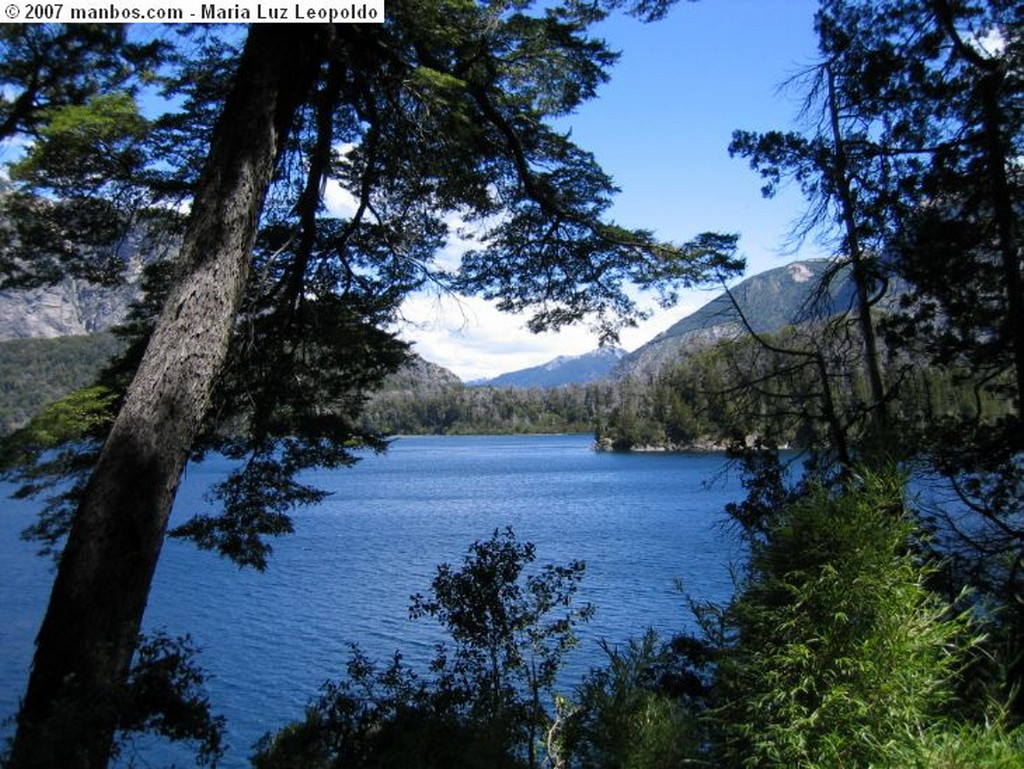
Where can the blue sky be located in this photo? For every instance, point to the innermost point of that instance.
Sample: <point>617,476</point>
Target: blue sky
<point>661,128</point>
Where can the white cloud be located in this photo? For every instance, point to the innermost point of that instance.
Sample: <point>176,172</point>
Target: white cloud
<point>472,338</point>
<point>338,200</point>
<point>461,238</point>
<point>990,43</point>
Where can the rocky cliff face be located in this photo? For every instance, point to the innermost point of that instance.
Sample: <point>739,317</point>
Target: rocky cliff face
<point>67,309</point>
<point>74,307</point>
<point>420,376</point>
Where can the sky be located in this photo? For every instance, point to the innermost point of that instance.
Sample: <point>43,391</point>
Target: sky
<point>661,128</point>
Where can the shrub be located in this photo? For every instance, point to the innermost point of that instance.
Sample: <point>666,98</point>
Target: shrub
<point>839,654</point>
<point>626,717</point>
<point>482,706</point>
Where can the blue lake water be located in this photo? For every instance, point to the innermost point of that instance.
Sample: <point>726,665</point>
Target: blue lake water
<point>642,523</point>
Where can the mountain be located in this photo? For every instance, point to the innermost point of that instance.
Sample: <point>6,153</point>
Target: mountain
<point>563,370</point>
<point>74,307</point>
<point>769,301</point>
<point>417,375</point>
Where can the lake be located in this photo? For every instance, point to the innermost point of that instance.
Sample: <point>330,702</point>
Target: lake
<point>642,523</point>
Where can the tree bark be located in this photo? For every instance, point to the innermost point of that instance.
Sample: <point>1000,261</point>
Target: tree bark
<point>88,637</point>
<point>992,79</point>
<point>996,157</point>
<point>858,262</point>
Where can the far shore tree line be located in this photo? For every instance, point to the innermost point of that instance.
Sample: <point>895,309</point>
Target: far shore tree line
<point>708,401</point>
<point>865,630</point>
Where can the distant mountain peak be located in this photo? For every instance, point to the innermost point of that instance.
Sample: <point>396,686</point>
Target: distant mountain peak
<point>601,353</point>
<point>562,370</point>
<point>769,301</point>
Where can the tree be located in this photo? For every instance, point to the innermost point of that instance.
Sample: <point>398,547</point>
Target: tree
<point>939,83</point>
<point>960,246</point>
<point>913,160</point>
<point>444,108</point>
<point>79,108</point>
<point>631,713</point>
<point>934,88</point>
<point>919,157</point>
<point>510,625</point>
<point>94,58</point>
<point>993,118</point>
<point>88,636</point>
<point>837,171</point>
<point>507,647</point>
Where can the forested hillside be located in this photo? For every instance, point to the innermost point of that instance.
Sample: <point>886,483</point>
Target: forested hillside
<point>419,398</point>
<point>35,372</point>
<point>767,302</point>
<point>598,392</point>
<point>682,390</point>
<point>458,409</point>
<point>741,393</point>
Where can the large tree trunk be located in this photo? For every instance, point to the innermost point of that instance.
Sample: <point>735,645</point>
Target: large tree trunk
<point>85,646</point>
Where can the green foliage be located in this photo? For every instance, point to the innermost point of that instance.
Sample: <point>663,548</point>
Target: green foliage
<point>915,121</point>
<point>933,89</point>
<point>93,57</point>
<point>35,372</point>
<point>73,418</point>
<point>841,655</point>
<point>450,110</point>
<point>835,651</point>
<point>714,397</point>
<point>735,391</point>
<point>380,717</point>
<point>83,148</point>
<point>624,716</point>
<point>482,705</point>
<point>992,745</point>
<point>76,192</point>
<point>53,454</point>
<point>506,643</point>
<point>163,695</point>
<point>286,403</point>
